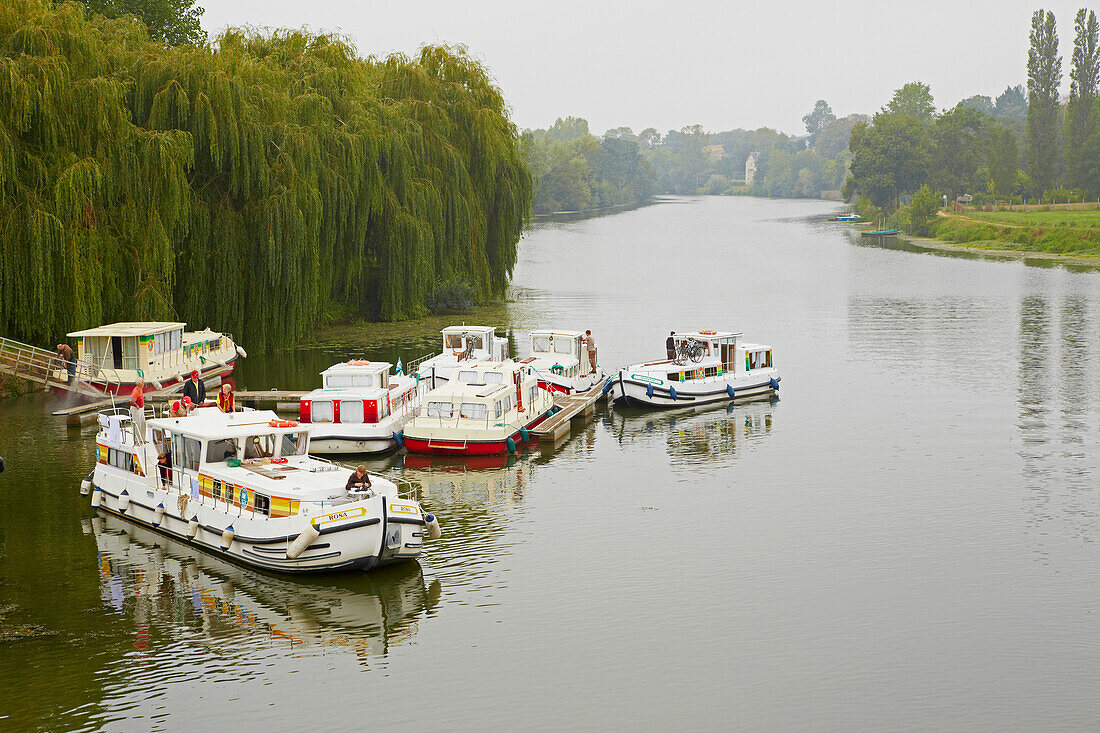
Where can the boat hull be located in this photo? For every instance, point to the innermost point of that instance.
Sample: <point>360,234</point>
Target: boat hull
<point>626,390</point>
<point>125,388</point>
<point>365,534</point>
<point>473,447</point>
<point>341,444</point>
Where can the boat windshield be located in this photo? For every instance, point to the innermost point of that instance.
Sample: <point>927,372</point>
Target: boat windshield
<point>493,378</point>
<point>335,381</point>
<point>452,341</point>
<point>440,409</point>
<point>467,376</point>
<point>476,342</point>
<point>260,446</point>
<point>217,451</point>
<point>563,346</point>
<point>293,444</point>
<point>540,344</point>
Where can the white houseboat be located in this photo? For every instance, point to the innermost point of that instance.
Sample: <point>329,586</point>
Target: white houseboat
<point>709,366</point>
<point>560,359</point>
<point>243,486</point>
<point>360,408</point>
<point>462,346</point>
<point>112,358</point>
<point>486,409</point>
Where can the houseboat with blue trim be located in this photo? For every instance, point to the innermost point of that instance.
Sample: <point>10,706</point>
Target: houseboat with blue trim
<point>708,366</point>
<point>463,346</point>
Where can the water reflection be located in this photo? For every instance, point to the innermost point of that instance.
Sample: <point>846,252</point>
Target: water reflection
<point>475,482</point>
<point>716,434</point>
<point>171,592</point>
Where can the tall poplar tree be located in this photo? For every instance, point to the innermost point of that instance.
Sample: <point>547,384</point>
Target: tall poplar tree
<point>1084,80</point>
<point>1044,74</point>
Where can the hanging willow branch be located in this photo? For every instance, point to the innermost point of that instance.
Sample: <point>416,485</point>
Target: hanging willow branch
<point>248,186</point>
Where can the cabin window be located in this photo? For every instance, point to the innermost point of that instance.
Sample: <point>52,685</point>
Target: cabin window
<point>261,503</point>
<point>532,392</point>
<point>493,378</point>
<point>467,375</point>
<point>498,409</point>
<point>292,444</point>
<point>321,411</point>
<point>191,452</point>
<point>120,459</point>
<point>440,409</point>
<point>473,410</point>
<point>217,451</point>
<point>476,341</point>
<point>507,403</point>
<point>260,446</point>
<point>158,343</point>
<point>216,488</point>
<point>710,372</point>
<point>563,346</point>
<point>452,341</point>
<point>337,381</point>
<point>351,411</point>
<point>540,344</point>
<point>673,376</point>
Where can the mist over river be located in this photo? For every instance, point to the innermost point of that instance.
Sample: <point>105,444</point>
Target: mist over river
<point>907,539</point>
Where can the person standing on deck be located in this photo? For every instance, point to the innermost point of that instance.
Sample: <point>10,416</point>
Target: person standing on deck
<point>591,342</point>
<point>225,398</point>
<point>137,411</point>
<point>195,388</point>
<point>66,353</point>
<point>670,345</point>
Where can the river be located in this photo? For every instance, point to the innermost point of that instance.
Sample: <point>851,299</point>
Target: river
<point>906,540</point>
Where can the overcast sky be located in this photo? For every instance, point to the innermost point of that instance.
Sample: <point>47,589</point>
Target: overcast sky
<point>719,64</point>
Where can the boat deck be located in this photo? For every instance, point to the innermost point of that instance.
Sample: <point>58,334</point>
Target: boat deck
<point>557,425</point>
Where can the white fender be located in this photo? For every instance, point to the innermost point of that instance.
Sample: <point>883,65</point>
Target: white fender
<point>158,515</point>
<point>124,501</point>
<point>97,497</point>
<point>193,527</point>
<point>432,525</point>
<point>242,352</point>
<point>86,486</point>
<point>227,537</point>
<point>302,541</point>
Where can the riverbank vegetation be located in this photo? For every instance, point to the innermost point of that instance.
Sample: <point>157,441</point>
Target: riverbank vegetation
<point>253,185</point>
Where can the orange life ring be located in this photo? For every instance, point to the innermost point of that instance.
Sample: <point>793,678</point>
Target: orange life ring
<point>708,333</point>
<point>358,362</point>
<point>283,424</point>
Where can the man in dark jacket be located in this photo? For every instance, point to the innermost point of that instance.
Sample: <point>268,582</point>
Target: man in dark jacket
<point>358,481</point>
<point>670,345</point>
<point>195,388</point>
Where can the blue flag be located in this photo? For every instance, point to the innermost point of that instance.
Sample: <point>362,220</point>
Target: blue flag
<point>400,369</point>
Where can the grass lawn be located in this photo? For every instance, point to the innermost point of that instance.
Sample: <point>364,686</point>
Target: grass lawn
<point>1033,219</point>
<point>1058,232</point>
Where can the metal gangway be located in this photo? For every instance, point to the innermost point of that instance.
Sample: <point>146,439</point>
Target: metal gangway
<point>45,367</point>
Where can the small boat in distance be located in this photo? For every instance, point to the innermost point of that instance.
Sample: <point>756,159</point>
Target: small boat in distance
<point>242,485</point>
<point>487,409</point>
<point>462,345</point>
<point>848,218</point>
<point>881,233</point>
<point>709,366</point>
<point>560,360</point>
<point>111,358</point>
<point>360,408</point>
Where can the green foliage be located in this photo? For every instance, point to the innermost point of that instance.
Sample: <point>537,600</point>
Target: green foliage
<point>250,189</point>
<point>452,297</point>
<point>1011,104</point>
<point>912,100</point>
<point>893,157</point>
<point>1061,232</point>
<point>1044,75</point>
<point>1080,120</point>
<point>575,171</point>
<point>957,150</point>
<point>818,118</point>
<point>1001,157</point>
<point>922,211</point>
<point>174,22</point>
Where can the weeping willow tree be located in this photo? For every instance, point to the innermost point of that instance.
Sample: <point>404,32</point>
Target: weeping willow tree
<point>248,186</point>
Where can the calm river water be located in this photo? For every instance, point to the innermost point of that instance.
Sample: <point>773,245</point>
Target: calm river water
<point>907,540</point>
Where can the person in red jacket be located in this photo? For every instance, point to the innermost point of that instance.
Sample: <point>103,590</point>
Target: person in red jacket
<point>225,398</point>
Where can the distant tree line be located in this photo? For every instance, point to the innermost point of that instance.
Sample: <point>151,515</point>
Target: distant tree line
<point>1024,145</point>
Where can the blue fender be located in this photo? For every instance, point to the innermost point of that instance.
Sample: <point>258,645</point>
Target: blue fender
<point>729,391</point>
<point>649,390</point>
<point>399,438</point>
<point>511,445</point>
<point>606,388</point>
<point>774,384</point>
<point>672,392</point>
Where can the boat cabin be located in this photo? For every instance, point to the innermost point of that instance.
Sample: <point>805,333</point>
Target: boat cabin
<point>356,392</point>
<point>482,392</point>
<point>721,352</point>
<point>560,352</point>
<point>473,342</point>
<point>141,346</point>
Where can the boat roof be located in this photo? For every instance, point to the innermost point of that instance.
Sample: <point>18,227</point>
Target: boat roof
<point>711,335</point>
<point>358,367</point>
<point>128,328</point>
<point>209,422</point>
<point>557,332</point>
<point>463,329</point>
<point>455,388</point>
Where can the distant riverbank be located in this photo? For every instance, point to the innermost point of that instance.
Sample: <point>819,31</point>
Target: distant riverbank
<point>1046,231</point>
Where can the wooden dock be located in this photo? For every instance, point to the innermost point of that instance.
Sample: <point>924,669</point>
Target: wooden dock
<point>581,405</point>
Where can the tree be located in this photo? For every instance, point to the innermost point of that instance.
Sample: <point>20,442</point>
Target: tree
<point>818,118</point>
<point>175,22</point>
<point>568,129</point>
<point>922,211</point>
<point>891,158</point>
<point>1001,156</point>
<point>1084,79</point>
<point>957,150</point>
<point>649,138</point>
<point>1012,103</point>
<point>915,100</point>
<point>979,102</point>
<point>1044,75</point>
<point>835,137</point>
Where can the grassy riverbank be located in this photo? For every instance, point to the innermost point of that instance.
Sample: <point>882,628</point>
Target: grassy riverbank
<point>1075,233</point>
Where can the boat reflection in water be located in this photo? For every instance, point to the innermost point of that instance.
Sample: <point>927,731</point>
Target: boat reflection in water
<point>473,480</point>
<point>178,592</point>
<point>717,434</point>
